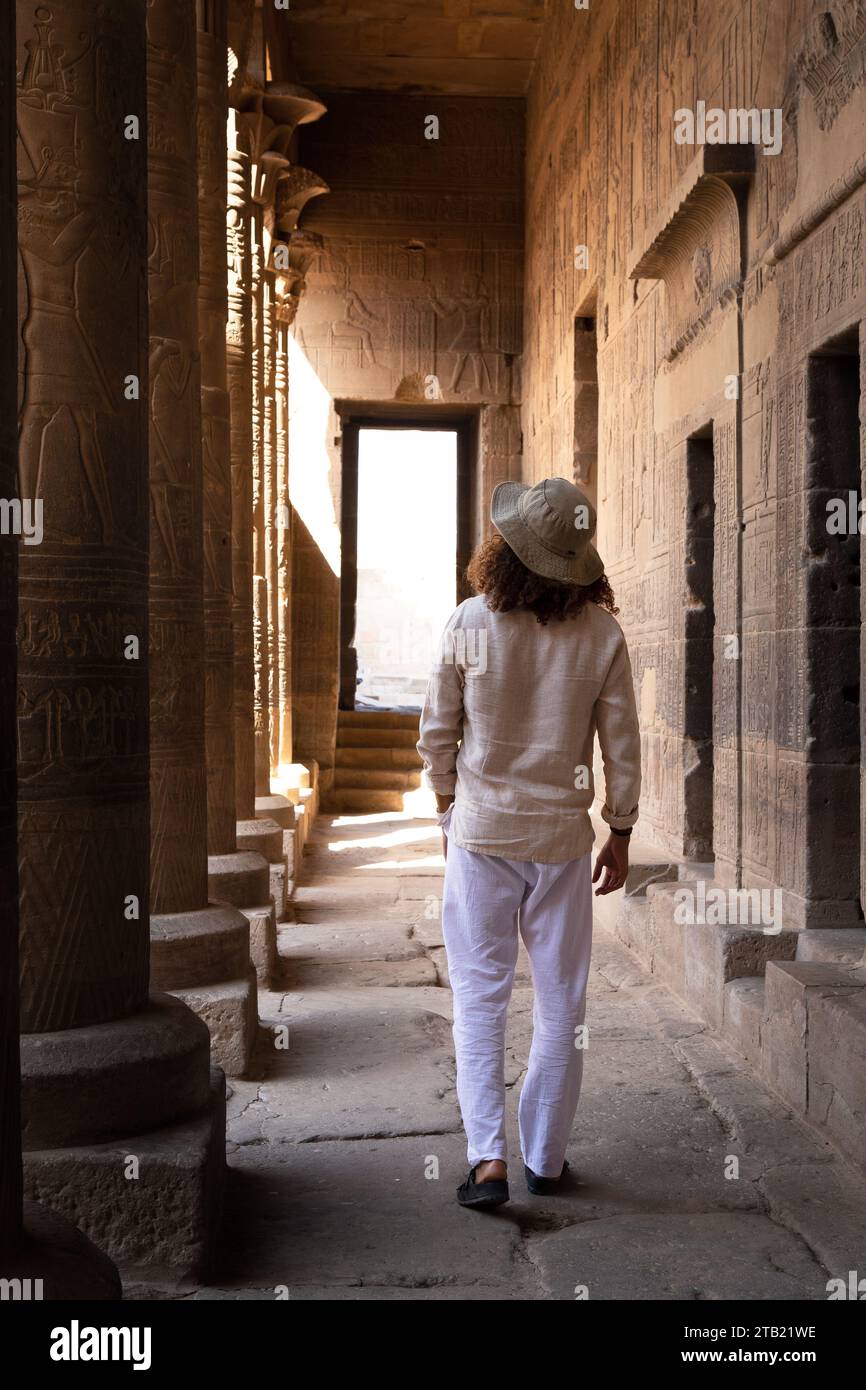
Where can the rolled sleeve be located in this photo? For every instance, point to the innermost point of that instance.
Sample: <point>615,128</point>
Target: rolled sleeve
<point>619,738</point>
<point>441,725</point>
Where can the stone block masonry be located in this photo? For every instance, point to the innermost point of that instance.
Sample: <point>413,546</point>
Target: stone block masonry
<point>717,285</point>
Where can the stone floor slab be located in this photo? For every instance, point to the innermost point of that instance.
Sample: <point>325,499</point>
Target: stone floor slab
<point>698,1257</point>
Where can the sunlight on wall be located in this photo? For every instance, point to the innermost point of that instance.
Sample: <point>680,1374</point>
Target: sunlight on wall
<point>309,480</point>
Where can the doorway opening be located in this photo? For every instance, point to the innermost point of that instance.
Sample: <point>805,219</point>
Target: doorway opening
<point>833,639</point>
<point>405,532</point>
<point>698,648</point>
<point>585,404</point>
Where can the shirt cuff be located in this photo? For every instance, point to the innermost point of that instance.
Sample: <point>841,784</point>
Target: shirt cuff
<point>619,822</point>
<point>443,783</point>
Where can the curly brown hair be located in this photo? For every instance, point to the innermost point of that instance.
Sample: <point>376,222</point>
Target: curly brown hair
<point>497,573</point>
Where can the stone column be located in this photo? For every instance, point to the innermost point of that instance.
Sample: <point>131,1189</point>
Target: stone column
<point>282,755</point>
<point>294,253</point>
<point>257,826</point>
<point>290,257</point>
<point>250,623</point>
<point>236,874</point>
<point>101,1060</point>
<point>10,1100</point>
<point>200,952</point>
<point>267,576</point>
<point>291,251</point>
<point>219,686</point>
<point>35,1244</point>
<point>246,367</point>
<point>270,119</point>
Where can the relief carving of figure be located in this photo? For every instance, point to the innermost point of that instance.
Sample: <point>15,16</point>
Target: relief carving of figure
<point>57,215</point>
<point>171,362</point>
<point>358,324</point>
<point>468,309</point>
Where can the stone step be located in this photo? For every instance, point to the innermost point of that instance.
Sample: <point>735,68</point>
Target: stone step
<point>358,801</point>
<point>375,719</point>
<point>743,1014</point>
<point>834,945</point>
<point>813,1041</point>
<point>392,779</point>
<point>360,736</point>
<point>404,759</point>
<point>644,871</point>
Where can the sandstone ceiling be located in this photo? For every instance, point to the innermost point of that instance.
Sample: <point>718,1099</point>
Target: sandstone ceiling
<point>459,47</point>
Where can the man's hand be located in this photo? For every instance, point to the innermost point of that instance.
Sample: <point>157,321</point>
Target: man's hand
<point>613,859</point>
<point>442,804</point>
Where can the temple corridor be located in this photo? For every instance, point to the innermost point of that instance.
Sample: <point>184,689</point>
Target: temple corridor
<point>289,291</point>
<point>344,1151</point>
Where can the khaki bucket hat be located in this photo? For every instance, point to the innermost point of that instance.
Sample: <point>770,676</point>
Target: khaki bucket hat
<point>550,528</point>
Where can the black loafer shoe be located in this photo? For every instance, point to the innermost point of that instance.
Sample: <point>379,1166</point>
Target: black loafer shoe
<point>483,1195</point>
<point>542,1187</point>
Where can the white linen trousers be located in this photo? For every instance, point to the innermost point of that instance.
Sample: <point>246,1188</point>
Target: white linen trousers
<point>487,900</point>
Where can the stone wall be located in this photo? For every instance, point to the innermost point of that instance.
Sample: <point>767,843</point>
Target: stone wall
<point>413,294</point>
<point>711,274</point>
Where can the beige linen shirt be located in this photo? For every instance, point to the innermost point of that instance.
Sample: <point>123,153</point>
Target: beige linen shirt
<point>511,711</point>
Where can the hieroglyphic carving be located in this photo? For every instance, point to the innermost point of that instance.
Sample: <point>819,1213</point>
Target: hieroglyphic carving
<point>10,1107</point>
<point>626,375</point>
<point>283,752</point>
<point>697,254</point>
<point>832,58</point>
<point>244,366</point>
<point>862,336</point>
<point>798,240</point>
<point>824,278</point>
<point>177,761</point>
<point>216,465</point>
<point>246,513</point>
<point>262,515</point>
<point>240,20</point>
<point>82,710</point>
<point>790,543</point>
<point>290,280</point>
<point>294,189</point>
<point>407,284</point>
<point>267,744</point>
<point>728,657</point>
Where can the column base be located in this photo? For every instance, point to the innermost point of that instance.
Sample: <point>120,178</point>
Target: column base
<point>243,879</point>
<point>237,878</point>
<point>55,1262</point>
<point>168,1215</point>
<point>261,835</point>
<point>278,808</point>
<point>203,958</point>
<point>284,811</point>
<point>263,942</point>
<point>230,1010</point>
<point>107,1080</point>
<point>266,836</point>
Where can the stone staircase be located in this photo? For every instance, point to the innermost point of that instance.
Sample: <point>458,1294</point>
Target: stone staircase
<point>376,761</point>
<point>793,1004</point>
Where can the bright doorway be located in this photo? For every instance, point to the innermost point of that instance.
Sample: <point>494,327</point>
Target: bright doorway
<point>404,547</point>
<point>407,527</point>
